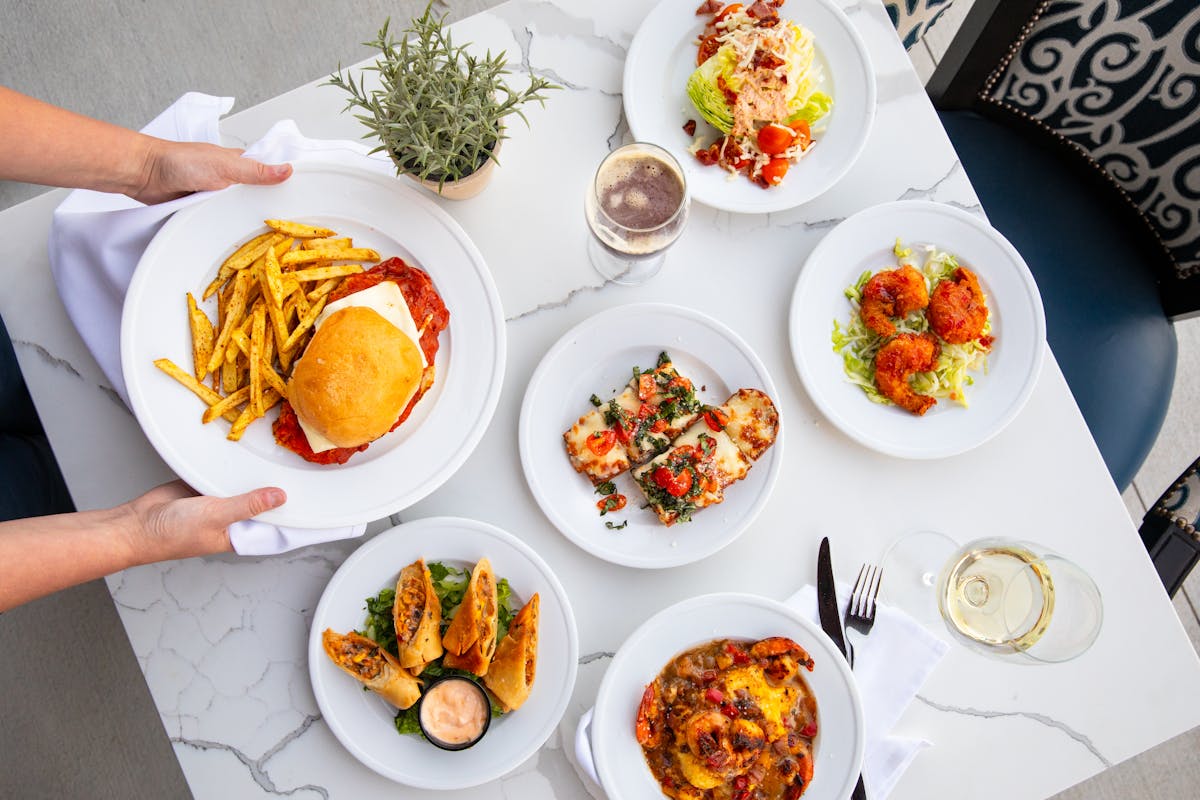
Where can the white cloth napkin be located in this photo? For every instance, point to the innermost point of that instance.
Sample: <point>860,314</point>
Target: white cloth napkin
<point>96,240</point>
<point>890,666</point>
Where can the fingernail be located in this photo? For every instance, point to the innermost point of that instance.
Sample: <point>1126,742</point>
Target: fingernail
<point>280,170</point>
<point>275,498</point>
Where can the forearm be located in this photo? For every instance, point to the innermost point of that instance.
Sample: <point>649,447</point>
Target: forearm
<point>44,554</point>
<point>44,144</point>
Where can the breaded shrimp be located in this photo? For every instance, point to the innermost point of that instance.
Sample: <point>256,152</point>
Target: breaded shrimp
<point>957,310</point>
<point>897,360</point>
<point>892,293</point>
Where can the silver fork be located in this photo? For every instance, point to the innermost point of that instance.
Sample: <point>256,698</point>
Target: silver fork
<point>861,614</point>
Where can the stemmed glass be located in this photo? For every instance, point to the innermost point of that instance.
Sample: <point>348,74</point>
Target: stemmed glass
<point>1003,597</point>
<point>636,207</point>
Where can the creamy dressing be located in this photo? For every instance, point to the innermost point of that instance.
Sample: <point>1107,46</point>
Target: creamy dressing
<point>454,711</point>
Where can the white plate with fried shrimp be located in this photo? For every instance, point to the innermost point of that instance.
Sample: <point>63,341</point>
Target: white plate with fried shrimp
<point>379,214</point>
<point>917,329</point>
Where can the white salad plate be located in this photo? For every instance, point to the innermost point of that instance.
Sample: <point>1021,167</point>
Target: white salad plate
<point>597,357</point>
<point>663,55</point>
<point>865,242</point>
<point>398,469</point>
<point>619,761</point>
<point>364,722</point>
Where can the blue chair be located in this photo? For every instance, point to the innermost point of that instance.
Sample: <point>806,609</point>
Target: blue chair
<point>1078,124</point>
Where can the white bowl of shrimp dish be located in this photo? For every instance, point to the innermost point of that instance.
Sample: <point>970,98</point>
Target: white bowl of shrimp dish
<point>771,706</point>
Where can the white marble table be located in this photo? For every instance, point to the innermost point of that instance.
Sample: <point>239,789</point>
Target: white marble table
<point>221,641</point>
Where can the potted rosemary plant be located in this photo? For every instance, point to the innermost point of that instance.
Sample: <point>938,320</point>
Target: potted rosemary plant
<point>438,111</point>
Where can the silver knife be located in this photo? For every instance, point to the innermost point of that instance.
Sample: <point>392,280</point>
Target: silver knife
<point>831,622</point>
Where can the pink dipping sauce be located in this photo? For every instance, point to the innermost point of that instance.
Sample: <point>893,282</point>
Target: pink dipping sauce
<point>454,711</point>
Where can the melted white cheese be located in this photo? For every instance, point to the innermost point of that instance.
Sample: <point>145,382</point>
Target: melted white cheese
<point>386,300</point>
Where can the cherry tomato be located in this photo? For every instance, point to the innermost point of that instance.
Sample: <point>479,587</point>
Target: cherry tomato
<point>732,8</point>
<point>803,132</point>
<point>659,426</point>
<point>774,139</point>
<point>716,419</point>
<point>646,387</point>
<point>680,382</point>
<point>614,502</point>
<point>601,442</point>
<point>646,411</point>
<point>672,484</point>
<point>774,170</point>
<point>708,48</point>
<point>624,429</point>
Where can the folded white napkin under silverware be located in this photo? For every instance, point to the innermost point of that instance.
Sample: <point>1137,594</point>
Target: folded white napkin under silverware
<point>890,666</point>
<point>97,239</point>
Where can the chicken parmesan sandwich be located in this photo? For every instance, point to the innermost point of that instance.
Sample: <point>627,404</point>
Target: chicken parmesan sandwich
<point>367,365</point>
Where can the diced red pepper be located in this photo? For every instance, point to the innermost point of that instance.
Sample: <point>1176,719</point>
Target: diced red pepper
<point>714,695</point>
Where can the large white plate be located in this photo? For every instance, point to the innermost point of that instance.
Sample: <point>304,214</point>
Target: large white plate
<point>399,469</point>
<point>597,357</point>
<point>864,242</point>
<point>841,739</point>
<point>363,721</point>
<point>663,55</point>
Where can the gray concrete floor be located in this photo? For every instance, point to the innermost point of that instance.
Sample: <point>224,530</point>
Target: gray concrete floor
<point>125,61</point>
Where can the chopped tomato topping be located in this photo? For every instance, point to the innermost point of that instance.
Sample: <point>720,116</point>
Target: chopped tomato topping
<point>659,426</point>
<point>708,48</point>
<point>601,442</point>
<point>680,382</point>
<point>614,502</point>
<point>646,387</point>
<point>774,170</point>
<point>716,419</point>
<point>673,484</point>
<point>803,132</point>
<point>774,139</point>
<point>732,8</point>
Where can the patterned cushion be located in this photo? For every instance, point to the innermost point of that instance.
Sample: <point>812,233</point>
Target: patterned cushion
<point>1120,80</point>
<point>913,18</point>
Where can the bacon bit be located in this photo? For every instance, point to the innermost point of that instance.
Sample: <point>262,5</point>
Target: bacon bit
<point>709,7</point>
<point>689,127</point>
<point>766,60</point>
<point>730,94</point>
<point>765,12</point>
<point>710,155</point>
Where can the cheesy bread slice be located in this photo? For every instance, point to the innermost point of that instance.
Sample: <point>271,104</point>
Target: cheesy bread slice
<point>752,421</point>
<point>660,404</point>
<point>594,450</point>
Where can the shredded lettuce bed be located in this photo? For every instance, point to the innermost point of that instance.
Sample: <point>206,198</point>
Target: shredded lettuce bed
<point>858,344</point>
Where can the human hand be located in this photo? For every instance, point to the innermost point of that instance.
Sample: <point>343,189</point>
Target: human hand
<point>174,169</point>
<point>172,521</point>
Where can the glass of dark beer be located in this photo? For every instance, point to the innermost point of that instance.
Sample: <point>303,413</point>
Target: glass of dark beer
<point>636,206</point>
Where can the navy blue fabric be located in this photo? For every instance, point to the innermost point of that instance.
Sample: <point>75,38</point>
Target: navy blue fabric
<point>30,482</point>
<point>1104,318</point>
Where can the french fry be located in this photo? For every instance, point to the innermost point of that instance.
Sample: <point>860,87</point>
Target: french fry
<point>226,406</point>
<point>229,376</point>
<point>188,380</point>
<point>329,254</point>
<point>233,317</point>
<point>321,273</point>
<point>306,322</point>
<point>323,288</point>
<point>256,349</point>
<point>318,244</point>
<point>272,280</point>
<point>298,229</point>
<point>272,378</point>
<point>202,338</point>
<point>247,416</point>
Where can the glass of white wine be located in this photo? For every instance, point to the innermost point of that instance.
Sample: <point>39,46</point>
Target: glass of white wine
<point>1002,597</point>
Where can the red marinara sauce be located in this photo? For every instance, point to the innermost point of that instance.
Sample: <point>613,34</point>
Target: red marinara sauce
<point>428,312</point>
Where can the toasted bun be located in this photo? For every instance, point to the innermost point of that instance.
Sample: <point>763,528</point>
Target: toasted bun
<point>355,378</point>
